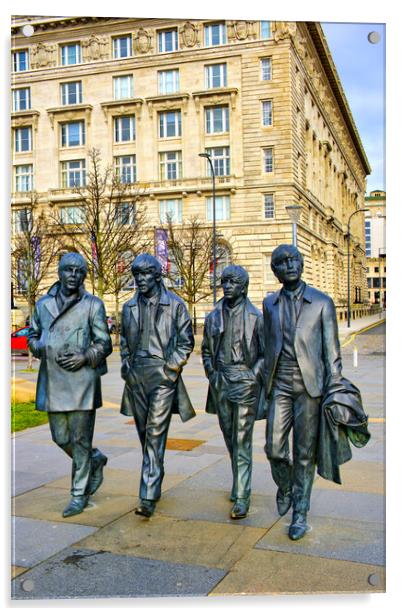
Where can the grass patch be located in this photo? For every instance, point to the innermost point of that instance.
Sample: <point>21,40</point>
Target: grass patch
<point>24,415</point>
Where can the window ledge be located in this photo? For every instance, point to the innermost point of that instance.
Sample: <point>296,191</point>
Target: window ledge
<point>167,102</point>
<point>25,118</point>
<point>122,106</point>
<point>69,112</point>
<point>215,96</point>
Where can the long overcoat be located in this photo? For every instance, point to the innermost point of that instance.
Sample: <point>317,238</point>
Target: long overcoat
<point>253,348</point>
<point>316,340</point>
<point>174,329</point>
<point>80,327</point>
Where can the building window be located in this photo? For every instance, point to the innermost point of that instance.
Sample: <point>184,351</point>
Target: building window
<point>215,34</point>
<point>125,128</point>
<point>168,81</point>
<point>368,238</point>
<point>265,69</point>
<point>23,178</point>
<point>21,60</point>
<point>21,99</point>
<point>125,213</point>
<point>170,123</point>
<point>125,168</point>
<point>217,119</point>
<point>20,220</point>
<point>167,40</point>
<point>267,113</point>
<point>72,215</point>
<point>220,159</point>
<point>268,160</point>
<point>70,54</point>
<point>72,134</point>
<point>73,173</point>
<point>215,75</point>
<point>170,165</point>
<point>123,87</point>
<point>222,208</point>
<point>71,93</point>
<point>265,29</point>
<point>268,206</point>
<point>171,211</point>
<point>122,46</point>
<point>23,139</point>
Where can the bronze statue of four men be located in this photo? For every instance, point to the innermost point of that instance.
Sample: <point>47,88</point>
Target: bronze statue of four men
<point>278,365</point>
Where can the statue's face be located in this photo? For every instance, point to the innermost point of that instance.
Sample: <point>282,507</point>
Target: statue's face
<point>232,287</point>
<point>71,278</point>
<point>146,279</point>
<point>288,266</point>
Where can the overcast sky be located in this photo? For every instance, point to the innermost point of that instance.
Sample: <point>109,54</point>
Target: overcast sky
<point>361,68</point>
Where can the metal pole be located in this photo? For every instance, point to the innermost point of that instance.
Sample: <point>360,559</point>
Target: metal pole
<point>294,233</point>
<point>348,261</point>
<point>205,155</point>
<point>214,238</point>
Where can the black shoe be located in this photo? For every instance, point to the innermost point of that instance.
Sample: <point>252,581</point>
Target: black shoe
<point>240,509</point>
<point>97,472</point>
<point>284,501</point>
<point>298,526</point>
<point>146,508</point>
<point>75,506</point>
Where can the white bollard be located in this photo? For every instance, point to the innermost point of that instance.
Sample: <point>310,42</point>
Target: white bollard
<point>355,357</point>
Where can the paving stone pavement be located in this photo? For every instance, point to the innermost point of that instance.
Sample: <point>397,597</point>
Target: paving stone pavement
<point>191,547</point>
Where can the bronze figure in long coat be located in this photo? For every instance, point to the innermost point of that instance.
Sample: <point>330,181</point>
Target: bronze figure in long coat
<point>69,334</point>
<point>156,341</point>
<point>233,358</point>
<point>302,357</point>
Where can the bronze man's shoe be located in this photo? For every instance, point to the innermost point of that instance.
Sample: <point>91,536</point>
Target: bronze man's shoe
<point>284,501</point>
<point>240,509</point>
<point>146,508</point>
<point>97,472</point>
<point>298,526</point>
<point>75,506</point>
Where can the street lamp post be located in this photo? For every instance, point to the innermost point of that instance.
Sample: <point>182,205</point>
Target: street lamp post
<point>348,261</point>
<point>205,155</point>
<point>294,212</point>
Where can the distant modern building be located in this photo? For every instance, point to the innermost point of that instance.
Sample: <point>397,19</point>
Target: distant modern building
<point>375,246</point>
<point>262,98</point>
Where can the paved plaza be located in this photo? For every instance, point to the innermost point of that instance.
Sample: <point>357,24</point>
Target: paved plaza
<point>190,547</point>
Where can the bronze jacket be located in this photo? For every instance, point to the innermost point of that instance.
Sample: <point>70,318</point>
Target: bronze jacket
<point>253,349</point>
<point>316,341</point>
<point>80,327</point>
<point>174,328</point>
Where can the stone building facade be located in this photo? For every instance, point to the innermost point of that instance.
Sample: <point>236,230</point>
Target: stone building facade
<point>262,98</point>
<point>375,246</point>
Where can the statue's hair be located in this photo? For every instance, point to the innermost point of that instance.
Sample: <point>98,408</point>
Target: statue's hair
<point>237,272</point>
<point>148,261</point>
<point>279,250</point>
<point>73,258</point>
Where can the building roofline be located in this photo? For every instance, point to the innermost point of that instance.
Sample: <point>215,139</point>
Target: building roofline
<point>319,40</point>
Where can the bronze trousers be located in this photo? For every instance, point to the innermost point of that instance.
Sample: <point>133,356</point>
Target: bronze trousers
<point>152,394</point>
<point>292,407</point>
<point>73,432</point>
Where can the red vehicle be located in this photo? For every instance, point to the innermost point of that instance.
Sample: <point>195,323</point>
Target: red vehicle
<point>19,341</point>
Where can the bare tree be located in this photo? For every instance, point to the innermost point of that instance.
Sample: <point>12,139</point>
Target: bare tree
<point>33,253</point>
<point>108,227</point>
<point>190,250</point>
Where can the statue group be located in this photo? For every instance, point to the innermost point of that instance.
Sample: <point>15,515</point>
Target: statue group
<point>283,366</point>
